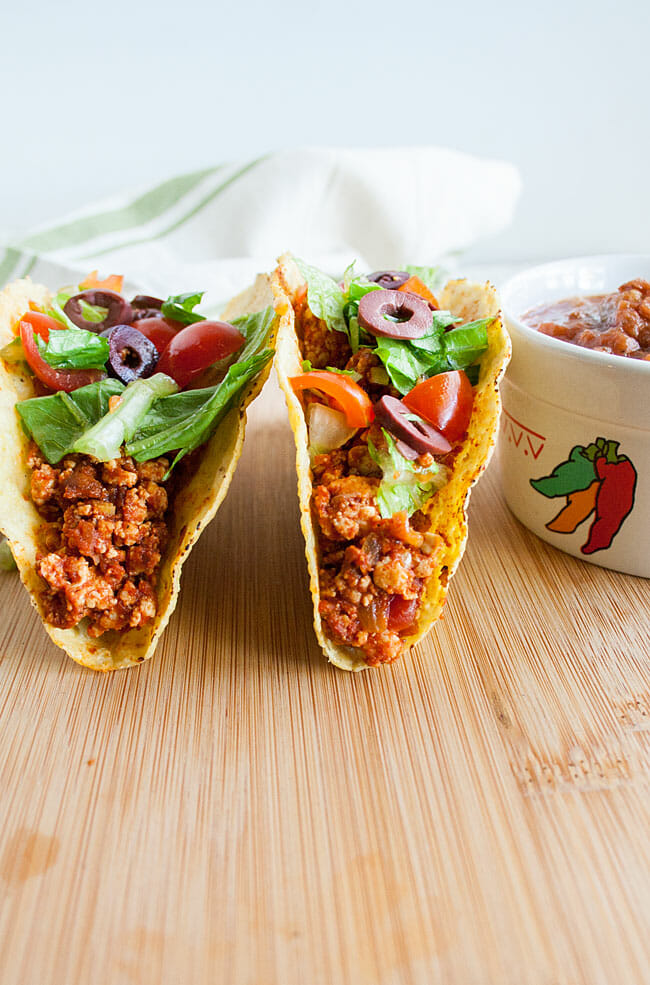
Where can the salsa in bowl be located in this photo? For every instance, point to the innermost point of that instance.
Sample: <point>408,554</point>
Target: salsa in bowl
<point>575,444</point>
<point>616,323</point>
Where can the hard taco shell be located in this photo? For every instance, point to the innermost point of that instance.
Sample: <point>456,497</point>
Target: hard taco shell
<point>448,507</point>
<point>192,509</point>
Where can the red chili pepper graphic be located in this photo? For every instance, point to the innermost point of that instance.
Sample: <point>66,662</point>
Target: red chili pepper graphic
<point>614,502</point>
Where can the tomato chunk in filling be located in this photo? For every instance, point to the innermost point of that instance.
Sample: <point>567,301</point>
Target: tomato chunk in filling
<point>102,540</point>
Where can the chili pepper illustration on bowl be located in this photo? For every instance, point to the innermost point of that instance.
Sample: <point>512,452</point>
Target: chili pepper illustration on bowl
<point>594,479</point>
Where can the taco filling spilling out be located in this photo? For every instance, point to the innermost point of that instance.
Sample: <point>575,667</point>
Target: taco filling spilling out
<point>395,409</point>
<point>127,425</point>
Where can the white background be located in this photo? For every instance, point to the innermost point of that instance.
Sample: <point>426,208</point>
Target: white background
<point>99,99</point>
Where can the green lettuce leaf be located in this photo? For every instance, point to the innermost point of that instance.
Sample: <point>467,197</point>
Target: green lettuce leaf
<point>439,352</point>
<point>360,286</point>
<point>404,485</point>
<point>404,364</point>
<point>74,348</point>
<point>180,308</point>
<point>433,341</point>
<point>464,345</point>
<point>183,421</point>
<point>255,328</point>
<point>58,421</point>
<point>324,296</point>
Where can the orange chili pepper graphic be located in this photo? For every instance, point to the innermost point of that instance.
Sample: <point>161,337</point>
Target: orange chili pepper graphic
<point>594,478</point>
<point>579,506</point>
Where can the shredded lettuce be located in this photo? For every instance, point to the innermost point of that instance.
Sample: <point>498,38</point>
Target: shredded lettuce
<point>324,296</point>
<point>444,348</point>
<point>55,310</point>
<point>404,365</point>
<point>354,333</point>
<point>58,421</point>
<point>359,287</point>
<point>308,368</point>
<point>404,485</point>
<point>433,277</point>
<point>74,348</point>
<point>439,352</point>
<point>105,438</point>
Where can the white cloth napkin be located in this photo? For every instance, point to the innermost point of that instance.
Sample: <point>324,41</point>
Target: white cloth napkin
<point>213,230</point>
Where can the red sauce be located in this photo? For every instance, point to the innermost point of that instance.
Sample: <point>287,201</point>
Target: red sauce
<point>617,323</point>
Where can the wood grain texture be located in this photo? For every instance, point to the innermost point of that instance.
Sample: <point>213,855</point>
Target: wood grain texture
<point>238,811</point>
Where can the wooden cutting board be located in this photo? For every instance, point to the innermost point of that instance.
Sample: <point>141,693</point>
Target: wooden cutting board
<point>237,811</point>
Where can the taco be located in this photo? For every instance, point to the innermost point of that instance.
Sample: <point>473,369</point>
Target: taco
<point>392,392</point>
<point>121,424</point>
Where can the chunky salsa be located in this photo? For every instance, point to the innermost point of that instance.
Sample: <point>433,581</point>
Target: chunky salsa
<point>617,323</point>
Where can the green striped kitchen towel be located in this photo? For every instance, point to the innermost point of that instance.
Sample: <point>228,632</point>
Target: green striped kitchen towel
<point>216,228</point>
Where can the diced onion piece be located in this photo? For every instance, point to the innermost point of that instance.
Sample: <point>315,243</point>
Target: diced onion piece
<point>328,428</point>
<point>379,376</point>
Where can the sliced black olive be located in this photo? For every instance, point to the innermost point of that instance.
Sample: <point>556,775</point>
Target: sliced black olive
<point>139,314</point>
<point>118,311</point>
<point>146,301</point>
<point>419,435</point>
<point>146,306</point>
<point>131,355</point>
<point>389,279</point>
<point>395,315</point>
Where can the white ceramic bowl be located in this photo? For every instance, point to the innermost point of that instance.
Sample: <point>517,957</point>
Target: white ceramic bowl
<point>558,396</point>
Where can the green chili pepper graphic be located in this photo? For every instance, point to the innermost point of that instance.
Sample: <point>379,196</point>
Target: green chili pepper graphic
<point>567,477</point>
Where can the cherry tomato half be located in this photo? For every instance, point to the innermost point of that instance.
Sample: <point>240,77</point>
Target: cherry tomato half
<point>196,347</point>
<point>445,400</point>
<point>160,331</point>
<point>346,394</point>
<point>56,379</point>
